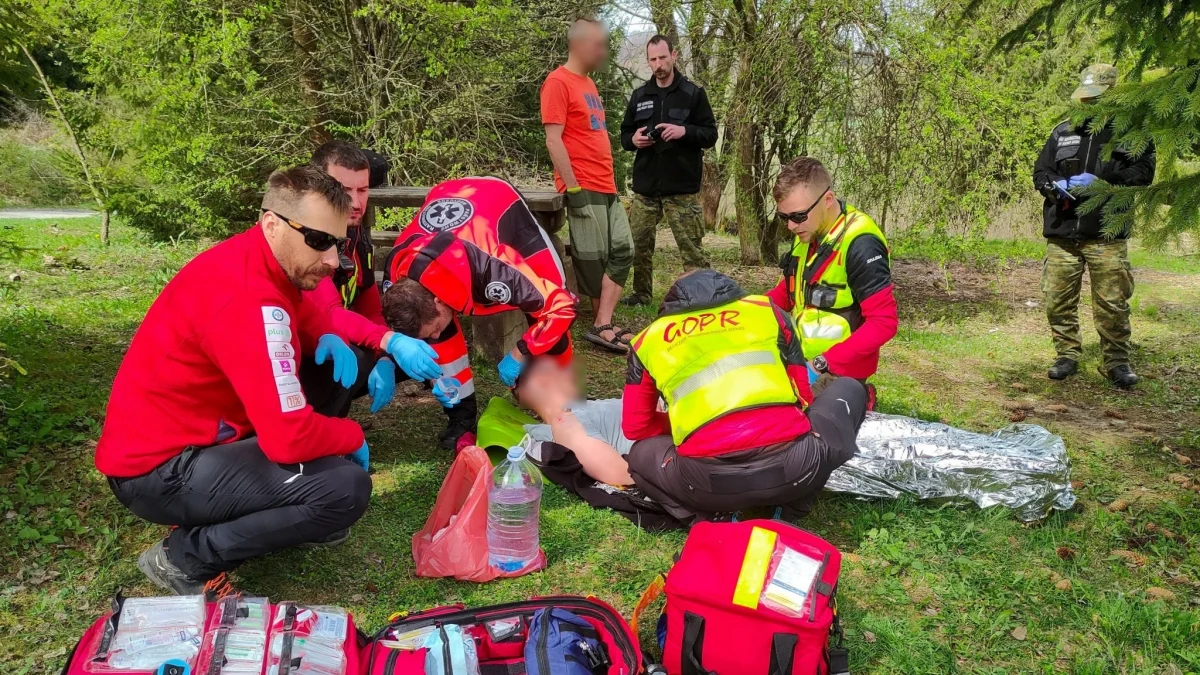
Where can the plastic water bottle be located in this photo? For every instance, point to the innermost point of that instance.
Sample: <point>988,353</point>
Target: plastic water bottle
<point>514,501</point>
<point>446,384</point>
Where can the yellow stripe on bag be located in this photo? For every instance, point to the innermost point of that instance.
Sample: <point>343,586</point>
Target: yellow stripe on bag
<point>754,568</point>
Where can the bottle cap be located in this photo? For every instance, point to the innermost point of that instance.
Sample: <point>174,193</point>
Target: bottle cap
<point>515,453</point>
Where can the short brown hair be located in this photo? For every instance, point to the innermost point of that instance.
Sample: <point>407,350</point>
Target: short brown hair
<point>659,37</point>
<point>340,153</point>
<point>800,171</point>
<point>407,305</point>
<point>287,187</point>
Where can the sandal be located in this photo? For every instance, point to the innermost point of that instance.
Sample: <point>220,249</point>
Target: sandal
<point>615,345</point>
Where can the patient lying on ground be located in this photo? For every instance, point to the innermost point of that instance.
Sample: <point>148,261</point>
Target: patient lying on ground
<point>591,429</point>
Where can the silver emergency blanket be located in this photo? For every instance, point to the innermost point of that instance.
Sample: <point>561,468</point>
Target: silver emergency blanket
<point>1021,466</point>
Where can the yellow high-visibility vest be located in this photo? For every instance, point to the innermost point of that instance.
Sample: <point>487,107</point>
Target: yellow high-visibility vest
<point>823,327</point>
<point>711,362</point>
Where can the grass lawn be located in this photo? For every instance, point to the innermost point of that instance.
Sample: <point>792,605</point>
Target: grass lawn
<point>1112,586</point>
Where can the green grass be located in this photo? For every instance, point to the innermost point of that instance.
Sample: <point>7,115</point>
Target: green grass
<point>926,588</point>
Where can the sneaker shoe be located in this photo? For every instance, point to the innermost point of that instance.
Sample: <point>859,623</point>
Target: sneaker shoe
<point>331,540</point>
<point>635,300</point>
<point>1063,368</point>
<point>1122,377</point>
<point>159,569</point>
<point>454,430</point>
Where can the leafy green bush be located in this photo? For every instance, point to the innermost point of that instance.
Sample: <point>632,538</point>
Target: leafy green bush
<point>33,175</point>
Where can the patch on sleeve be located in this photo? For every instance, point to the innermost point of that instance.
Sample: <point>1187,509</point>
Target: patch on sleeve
<point>278,333</point>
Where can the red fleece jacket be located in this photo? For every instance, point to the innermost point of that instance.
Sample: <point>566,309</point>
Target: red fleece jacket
<point>362,324</point>
<point>217,360</point>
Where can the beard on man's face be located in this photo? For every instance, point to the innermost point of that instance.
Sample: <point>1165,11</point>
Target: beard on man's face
<point>307,279</point>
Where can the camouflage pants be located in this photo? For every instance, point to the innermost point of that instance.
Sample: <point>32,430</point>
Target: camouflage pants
<point>1112,286</point>
<point>684,216</point>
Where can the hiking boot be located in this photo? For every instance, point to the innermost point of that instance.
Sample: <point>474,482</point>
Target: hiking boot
<point>455,430</point>
<point>1063,368</point>
<point>328,541</point>
<point>635,300</point>
<point>1122,377</point>
<point>158,568</point>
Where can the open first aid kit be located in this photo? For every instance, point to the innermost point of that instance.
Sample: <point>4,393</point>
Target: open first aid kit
<point>768,583</point>
<point>556,635</point>
<point>237,635</point>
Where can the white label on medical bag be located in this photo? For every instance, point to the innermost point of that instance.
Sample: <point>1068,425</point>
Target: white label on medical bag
<point>792,581</point>
<point>275,315</point>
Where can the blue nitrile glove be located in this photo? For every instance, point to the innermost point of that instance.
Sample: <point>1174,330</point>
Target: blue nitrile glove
<point>813,375</point>
<point>1082,180</point>
<point>381,384</point>
<point>361,457</point>
<point>345,363</point>
<point>447,400</point>
<point>417,358</point>
<point>510,370</point>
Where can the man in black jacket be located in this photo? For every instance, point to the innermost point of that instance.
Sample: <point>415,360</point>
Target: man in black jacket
<point>668,123</point>
<point>1072,158</point>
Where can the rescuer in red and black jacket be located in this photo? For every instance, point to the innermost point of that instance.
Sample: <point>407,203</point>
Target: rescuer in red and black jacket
<point>475,248</point>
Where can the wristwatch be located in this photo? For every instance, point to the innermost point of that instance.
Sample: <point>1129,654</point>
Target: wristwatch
<point>820,365</point>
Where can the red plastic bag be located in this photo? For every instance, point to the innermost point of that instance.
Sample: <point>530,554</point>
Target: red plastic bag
<point>453,542</point>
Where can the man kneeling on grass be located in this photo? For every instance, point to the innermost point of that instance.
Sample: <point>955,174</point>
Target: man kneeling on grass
<point>734,434</point>
<point>208,428</point>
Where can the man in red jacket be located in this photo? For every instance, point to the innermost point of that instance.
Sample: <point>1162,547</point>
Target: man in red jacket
<point>475,248</point>
<point>208,428</point>
<point>837,278</point>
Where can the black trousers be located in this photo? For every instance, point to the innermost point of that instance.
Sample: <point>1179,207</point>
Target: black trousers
<point>230,503</point>
<point>785,474</point>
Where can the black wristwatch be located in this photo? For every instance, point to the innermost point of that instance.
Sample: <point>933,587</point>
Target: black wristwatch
<point>820,365</point>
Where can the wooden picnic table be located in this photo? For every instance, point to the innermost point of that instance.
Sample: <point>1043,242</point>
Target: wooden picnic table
<point>497,334</point>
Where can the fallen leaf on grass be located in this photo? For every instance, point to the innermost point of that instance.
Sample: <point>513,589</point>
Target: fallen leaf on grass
<point>1019,405</point>
<point>1057,407</point>
<point>929,611</point>
<point>1118,505</point>
<point>1077,485</point>
<point>1179,479</point>
<point>869,636</point>
<point>357,597</point>
<point>1183,459</point>
<point>1019,387</point>
<point>1019,633</point>
<point>1064,585</point>
<point>1131,558</point>
<point>1160,593</point>
<point>1065,552</point>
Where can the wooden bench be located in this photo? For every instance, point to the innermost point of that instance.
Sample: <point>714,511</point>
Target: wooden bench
<point>497,334</point>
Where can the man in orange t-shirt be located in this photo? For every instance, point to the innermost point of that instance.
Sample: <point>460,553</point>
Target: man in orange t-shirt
<point>577,137</point>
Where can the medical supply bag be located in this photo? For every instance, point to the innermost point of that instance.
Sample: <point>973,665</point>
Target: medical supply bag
<point>752,597</point>
<point>234,636</point>
<point>554,635</point>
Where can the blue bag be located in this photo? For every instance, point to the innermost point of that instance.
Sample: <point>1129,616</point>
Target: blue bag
<point>561,643</point>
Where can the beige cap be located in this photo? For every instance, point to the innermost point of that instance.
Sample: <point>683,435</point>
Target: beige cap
<point>1095,80</point>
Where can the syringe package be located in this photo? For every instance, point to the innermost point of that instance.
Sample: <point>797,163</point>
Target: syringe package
<point>308,640</point>
<point>236,643</point>
<point>140,634</point>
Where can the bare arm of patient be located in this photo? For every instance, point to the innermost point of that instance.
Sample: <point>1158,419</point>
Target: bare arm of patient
<point>599,459</point>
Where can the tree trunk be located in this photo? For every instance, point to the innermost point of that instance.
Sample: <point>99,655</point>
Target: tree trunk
<point>311,86</point>
<point>711,186</point>
<point>87,173</point>
<point>663,13</point>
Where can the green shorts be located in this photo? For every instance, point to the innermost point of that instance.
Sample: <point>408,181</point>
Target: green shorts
<point>601,242</point>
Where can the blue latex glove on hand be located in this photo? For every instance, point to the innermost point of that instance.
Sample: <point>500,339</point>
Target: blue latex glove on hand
<point>345,363</point>
<point>381,384</point>
<point>447,400</point>
<point>510,370</point>
<point>417,358</point>
<point>813,375</point>
<point>1082,180</point>
<point>361,457</point>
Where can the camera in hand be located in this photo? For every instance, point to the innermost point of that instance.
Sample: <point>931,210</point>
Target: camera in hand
<point>653,133</point>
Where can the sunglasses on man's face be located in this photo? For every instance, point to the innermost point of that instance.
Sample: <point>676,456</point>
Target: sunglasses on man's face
<point>316,239</point>
<point>801,217</point>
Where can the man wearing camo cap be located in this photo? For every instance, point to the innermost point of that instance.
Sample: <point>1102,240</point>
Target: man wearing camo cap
<point>1072,159</point>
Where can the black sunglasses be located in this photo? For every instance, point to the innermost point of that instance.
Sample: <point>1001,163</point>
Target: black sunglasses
<point>800,217</point>
<point>316,239</point>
